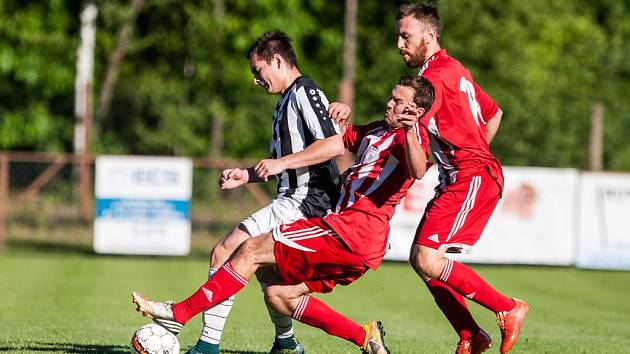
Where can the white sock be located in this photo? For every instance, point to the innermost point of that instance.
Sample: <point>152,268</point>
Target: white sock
<point>214,318</point>
<point>284,324</point>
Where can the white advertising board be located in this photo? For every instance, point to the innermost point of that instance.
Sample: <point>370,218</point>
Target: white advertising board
<point>532,224</point>
<point>142,205</point>
<point>604,234</point>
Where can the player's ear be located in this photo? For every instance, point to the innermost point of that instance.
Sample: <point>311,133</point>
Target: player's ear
<point>278,59</point>
<point>430,34</point>
<point>420,111</point>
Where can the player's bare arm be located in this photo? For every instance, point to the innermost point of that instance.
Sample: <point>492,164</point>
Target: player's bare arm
<point>416,158</point>
<point>492,126</point>
<point>318,152</point>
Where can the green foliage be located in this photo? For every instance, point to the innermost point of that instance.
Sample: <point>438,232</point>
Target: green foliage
<point>544,62</point>
<point>37,49</point>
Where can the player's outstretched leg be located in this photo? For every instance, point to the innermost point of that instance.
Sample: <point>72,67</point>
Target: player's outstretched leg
<point>214,319</point>
<point>160,312</point>
<point>314,312</point>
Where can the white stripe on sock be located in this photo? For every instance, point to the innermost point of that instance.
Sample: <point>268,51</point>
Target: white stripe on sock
<point>214,321</point>
<point>446,272</point>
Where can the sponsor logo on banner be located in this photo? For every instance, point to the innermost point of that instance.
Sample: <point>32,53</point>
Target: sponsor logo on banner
<point>142,205</point>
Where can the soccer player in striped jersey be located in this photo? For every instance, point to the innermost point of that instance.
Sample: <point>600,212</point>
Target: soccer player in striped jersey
<point>315,254</point>
<point>304,139</point>
<point>461,123</point>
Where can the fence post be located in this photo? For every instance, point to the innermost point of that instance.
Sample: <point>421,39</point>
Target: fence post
<point>4,198</point>
<point>596,143</point>
<point>85,188</point>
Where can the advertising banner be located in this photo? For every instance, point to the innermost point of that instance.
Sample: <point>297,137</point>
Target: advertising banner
<point>604,220</point>
<point>534,222</point>
<point>142,205</point>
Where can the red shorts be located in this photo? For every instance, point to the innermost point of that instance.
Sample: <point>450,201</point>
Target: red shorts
<point>308,251</point>
<point>456,217</point>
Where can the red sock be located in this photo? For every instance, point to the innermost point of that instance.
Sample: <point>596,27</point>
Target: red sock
<point>223,284</point>
<point>454,307</point>
<point>315,313</point>
<point>468,283</point>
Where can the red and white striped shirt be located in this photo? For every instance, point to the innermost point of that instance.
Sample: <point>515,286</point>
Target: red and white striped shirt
<point>373,187</point>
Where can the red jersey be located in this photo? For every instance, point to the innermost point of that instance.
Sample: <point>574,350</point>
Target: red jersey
<point>374,186</point>
<point>456,121</point>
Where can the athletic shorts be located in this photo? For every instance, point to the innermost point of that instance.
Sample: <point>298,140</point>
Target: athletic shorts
<point>455,218</point>
<point>281,210</point>
<point>308,251</point>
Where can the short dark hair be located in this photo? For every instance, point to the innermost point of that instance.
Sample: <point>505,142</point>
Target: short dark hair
<point>424,94</point>
<point>270,43</point>
<point>426,14</point>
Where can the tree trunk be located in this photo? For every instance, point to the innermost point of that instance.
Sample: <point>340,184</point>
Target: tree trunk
<point>115,59</point>
<point>216,123</point>
<point>346,86</point>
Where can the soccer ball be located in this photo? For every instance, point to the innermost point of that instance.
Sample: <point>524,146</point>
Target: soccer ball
<point>154,339</point>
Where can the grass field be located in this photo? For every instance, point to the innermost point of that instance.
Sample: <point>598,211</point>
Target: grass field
<point>80,303</point>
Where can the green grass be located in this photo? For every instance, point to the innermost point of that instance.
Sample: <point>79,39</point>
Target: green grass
<point>79,303</point>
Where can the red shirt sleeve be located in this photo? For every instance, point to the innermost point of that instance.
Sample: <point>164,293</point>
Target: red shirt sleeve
<point>487,105</point>
<point>351,137</point>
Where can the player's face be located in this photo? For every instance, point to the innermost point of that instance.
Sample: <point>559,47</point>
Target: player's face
<point>266,75</point>
<point>397,103</point>
<point>411,41</point>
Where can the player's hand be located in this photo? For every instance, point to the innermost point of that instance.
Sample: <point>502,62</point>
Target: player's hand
<point>409,116</point>
<point>232,178</point>
<point>269,167</point>
<point>339,112</point>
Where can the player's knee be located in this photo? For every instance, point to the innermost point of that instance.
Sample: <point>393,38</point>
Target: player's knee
<point>414,259</point>
<point>423,263</point>
<point>219,252</point>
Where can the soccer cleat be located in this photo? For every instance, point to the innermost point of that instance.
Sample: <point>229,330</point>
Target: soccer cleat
<point>374,339</point>
<point>160,312</point>
<point>282,348</point>
<point>510,324</point>
<point>194,349</point>
<point>475,345</point>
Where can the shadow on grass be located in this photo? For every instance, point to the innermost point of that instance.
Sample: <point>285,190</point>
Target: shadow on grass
<point>43,246</point>
<point>67,348</point>
<point>86,348</point>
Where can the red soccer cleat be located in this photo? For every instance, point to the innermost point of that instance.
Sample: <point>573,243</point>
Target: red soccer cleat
<point>475,345</point>
<point>510,324</point>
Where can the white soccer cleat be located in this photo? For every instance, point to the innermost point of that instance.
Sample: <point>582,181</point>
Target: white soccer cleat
<point>160,312</point>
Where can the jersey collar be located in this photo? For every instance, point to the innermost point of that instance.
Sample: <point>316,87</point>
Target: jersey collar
<point>439,53</point>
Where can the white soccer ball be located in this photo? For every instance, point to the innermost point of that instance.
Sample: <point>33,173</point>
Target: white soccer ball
<point>154,339</point>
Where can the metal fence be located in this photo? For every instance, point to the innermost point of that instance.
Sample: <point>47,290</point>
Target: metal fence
<point>50,197</point>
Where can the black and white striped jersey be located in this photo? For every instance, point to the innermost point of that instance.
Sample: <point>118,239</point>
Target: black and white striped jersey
<point>300,118</point>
